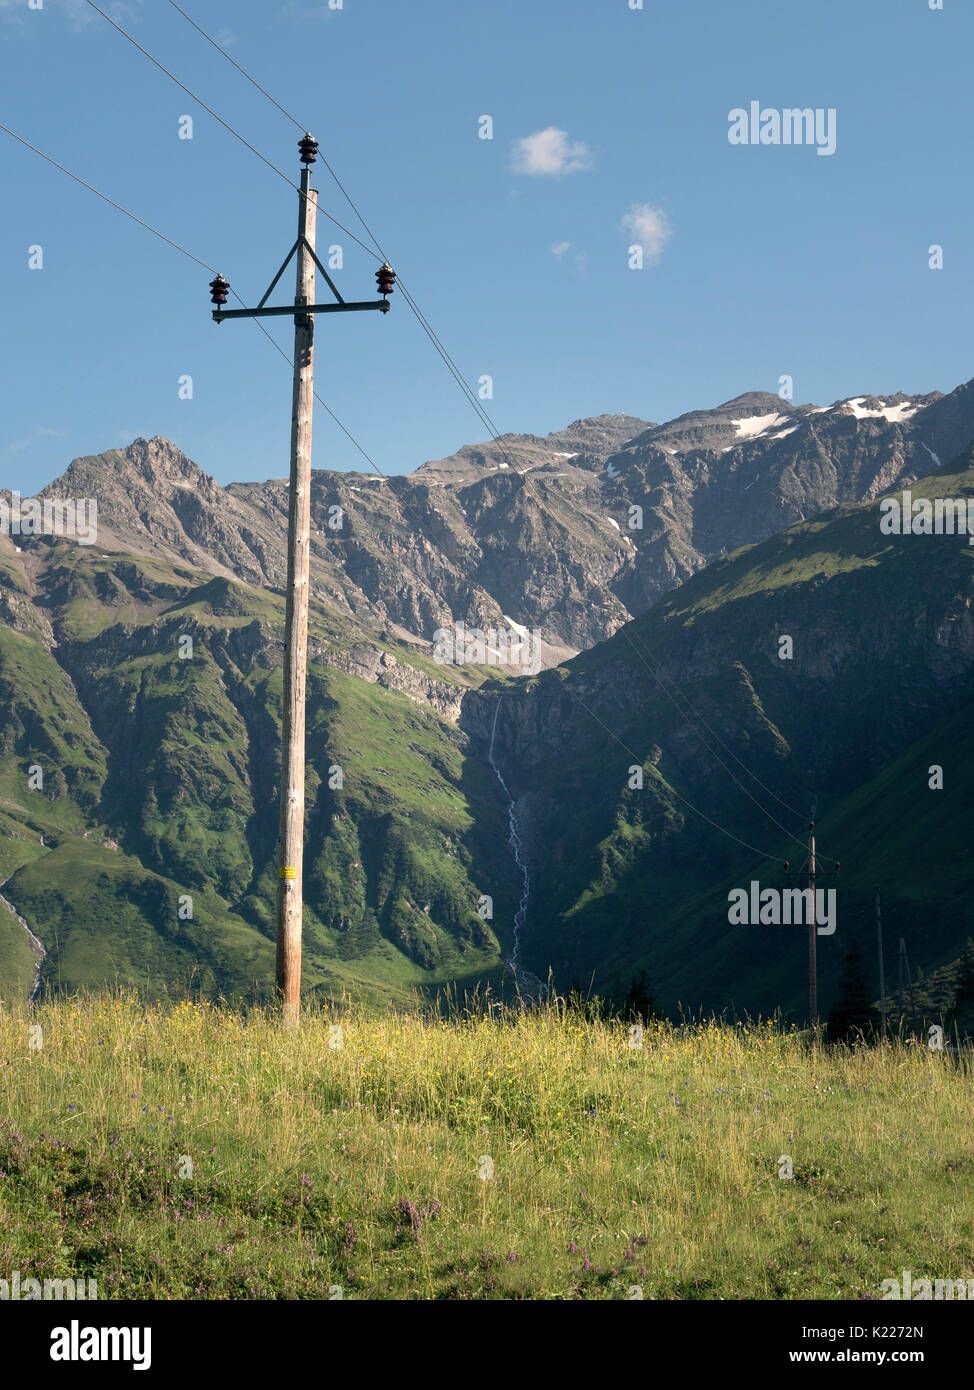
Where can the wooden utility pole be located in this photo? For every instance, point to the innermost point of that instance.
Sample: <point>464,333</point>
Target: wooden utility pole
<point>810,869</point>
<point>290,850</point>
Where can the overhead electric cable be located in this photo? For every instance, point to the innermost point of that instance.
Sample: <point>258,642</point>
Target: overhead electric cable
<point>687,712</point>
<point>104,196</point>
<point>226,125</point>
<point>198,261</point>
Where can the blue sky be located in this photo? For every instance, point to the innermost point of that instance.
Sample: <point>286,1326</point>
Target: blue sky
<point>610,128</point>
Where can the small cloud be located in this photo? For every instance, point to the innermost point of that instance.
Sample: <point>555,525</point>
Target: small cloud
<point>649,228</point>
<point>308,12</point>
<point>578,260</point>
<point>549,152</point>
<point>40,432</point>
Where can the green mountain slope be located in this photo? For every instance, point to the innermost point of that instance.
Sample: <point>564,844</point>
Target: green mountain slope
<point>139,765</point>
<point>875,694</point>
<point>148,697</point>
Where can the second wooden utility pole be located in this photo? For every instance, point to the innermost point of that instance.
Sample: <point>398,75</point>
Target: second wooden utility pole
<point>290,850</point>
<point>811,871</point>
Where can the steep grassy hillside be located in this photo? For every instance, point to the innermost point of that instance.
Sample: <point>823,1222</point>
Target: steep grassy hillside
<point>823,672</point>
<point>877,692</point>
<point>143,699</point>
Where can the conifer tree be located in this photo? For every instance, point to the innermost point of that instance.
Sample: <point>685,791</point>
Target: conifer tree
<point>852,1013</point>
<point>964,990</point>
<point>640,1002</point>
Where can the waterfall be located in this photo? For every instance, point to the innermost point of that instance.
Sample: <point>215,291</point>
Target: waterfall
<point>36,946</point>
<point>527,983</point>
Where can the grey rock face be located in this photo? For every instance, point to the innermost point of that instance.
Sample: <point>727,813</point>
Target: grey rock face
<point>561,548</point>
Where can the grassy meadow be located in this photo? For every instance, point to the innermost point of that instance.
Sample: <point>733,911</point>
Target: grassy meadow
<point>189,1151</point>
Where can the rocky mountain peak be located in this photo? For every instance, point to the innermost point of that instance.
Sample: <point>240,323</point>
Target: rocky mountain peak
<point>461,539</point>
<point>154,463</point>
<point>753,403</point>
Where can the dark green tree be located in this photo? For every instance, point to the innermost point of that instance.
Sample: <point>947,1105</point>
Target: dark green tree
<point>852,1013</point>
<point>964,989</point>
<point>640,1003</point>
<point>960,1015</point>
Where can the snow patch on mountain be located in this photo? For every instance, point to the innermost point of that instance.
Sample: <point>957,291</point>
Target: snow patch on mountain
<point>758,424</point>
<point>893,413</point>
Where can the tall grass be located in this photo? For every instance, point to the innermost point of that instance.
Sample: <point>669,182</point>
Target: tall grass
<point>195,1151</point>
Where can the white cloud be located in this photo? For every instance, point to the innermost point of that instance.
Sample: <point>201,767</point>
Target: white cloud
<point>559,248</point>
<point>549,151</point>
<point>40,432</point>
<point>649,228</point>
<point>313,12</point>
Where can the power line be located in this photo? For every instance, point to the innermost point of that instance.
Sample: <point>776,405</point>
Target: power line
<point>638,762</point>
<point>263,90</point>
<point>111,201</point>
<point>368,458</point>
<point>692,713</point>
<point>421,318</point>
<point>686,711</point>
<point>284,112</point>
<point>575,697</point>
<point>578,700</point>
<point>174,78</point>
<point>226,125</point>
<point>206,266</point>
<point>196,259</point>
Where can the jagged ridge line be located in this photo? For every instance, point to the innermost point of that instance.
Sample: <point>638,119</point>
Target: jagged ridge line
<point>485,418</point>
<point>686,713</point>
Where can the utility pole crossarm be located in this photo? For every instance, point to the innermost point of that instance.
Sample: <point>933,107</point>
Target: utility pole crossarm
<point>290,853</point>
<point>381,304</point>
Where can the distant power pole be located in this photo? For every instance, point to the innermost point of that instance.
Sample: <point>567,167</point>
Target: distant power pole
<point>810,870</point>
<point>290,855</point>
